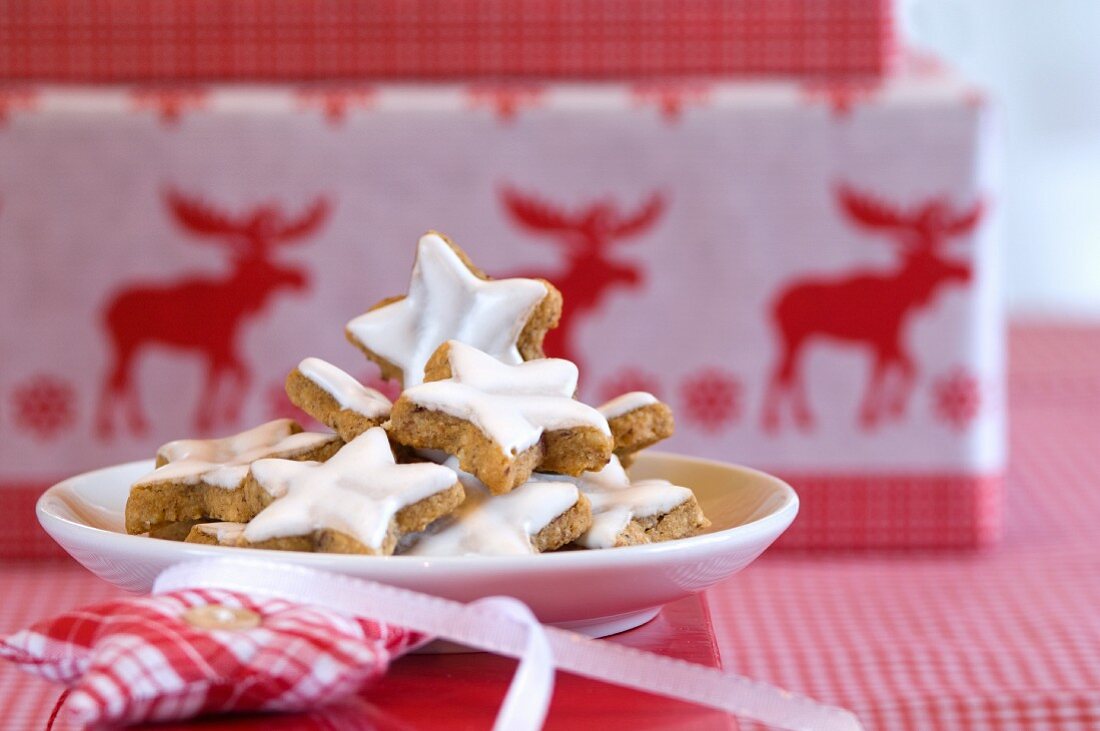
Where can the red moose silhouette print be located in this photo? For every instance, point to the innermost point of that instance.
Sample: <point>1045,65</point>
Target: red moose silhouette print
<point>868,308</point>
<point>586,238</point>
<point>203,313</point>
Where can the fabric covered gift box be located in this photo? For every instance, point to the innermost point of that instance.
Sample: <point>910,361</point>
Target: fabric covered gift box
<point>803,272</point>
<point>292,40</point>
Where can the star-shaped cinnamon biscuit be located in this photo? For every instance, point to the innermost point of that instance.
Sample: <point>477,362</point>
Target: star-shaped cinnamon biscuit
<point>626,513</point>
<point>205,478</point>
<point>451,299</point>
<point>502,421</point>
<point>534,517</point>
<point>335,398</point>
<point>638,420</point>
<point>359,501</point>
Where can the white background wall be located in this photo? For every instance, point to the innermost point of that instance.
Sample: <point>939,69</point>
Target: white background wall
<point>1040,59</point>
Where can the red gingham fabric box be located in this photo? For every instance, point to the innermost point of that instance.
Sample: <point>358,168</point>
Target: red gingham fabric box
<point>272,40</point>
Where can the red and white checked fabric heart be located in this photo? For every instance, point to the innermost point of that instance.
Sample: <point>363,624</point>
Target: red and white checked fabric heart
<point>198,651</point>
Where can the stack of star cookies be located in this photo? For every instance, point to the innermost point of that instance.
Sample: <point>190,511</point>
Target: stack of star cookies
<point>485,451</point>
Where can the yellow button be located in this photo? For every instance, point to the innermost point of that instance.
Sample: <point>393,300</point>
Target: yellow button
<point>219,616</point>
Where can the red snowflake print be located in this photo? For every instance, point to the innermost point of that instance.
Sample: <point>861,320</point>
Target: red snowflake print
<point>957,398</point>
<point>627,380</point>
<point>45,406</point>
<point>335,102</point>
<point>389,389</point>
<point>506,100</point>
<point>671,99</point>
<point>840,96</point>
<point>712,399</point>
<point>16,99</point>
<point>279,406</point>
<point>169,102</point>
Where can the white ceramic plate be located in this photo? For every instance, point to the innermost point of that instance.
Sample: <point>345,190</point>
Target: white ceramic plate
<point>595,592</point>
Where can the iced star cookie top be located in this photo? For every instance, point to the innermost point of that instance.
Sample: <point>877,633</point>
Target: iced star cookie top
<point>543,377</point>
<point>488,525</point>
<point>224,462</point>
<point>446,301</point>
<point>348,392</point>
<point>356,492</point>
<point>512,404</point>
<point>626,403</point>
<point>616,501</point>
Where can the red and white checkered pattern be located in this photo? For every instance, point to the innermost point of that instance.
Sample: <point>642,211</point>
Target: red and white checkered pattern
<point>1000,640</point>
<point>873,511</point>
<point>142,659</point>
<point>126,40</point>
<point>24,539</point>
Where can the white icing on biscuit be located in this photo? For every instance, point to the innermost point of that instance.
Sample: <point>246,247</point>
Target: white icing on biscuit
<point>446,301</point>
<point>626,403</point>
<point>228,448</point>
<point>616,501</point>
<point>488,525</point>
<point>348,392</point>
<point>226,534</point>
<point>541,377</point>
<point>357,492</point>
<point>224,462</point>
<point>512,404</point>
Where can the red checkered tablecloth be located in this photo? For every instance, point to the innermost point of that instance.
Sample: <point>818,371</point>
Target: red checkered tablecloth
<point>1007,638</point>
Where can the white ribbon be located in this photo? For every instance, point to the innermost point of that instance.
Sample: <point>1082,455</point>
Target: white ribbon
<point>505,626</point>
<point>528,697</point>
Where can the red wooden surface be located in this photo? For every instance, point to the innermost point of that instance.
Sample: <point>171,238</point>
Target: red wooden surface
<point>464,691</point>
